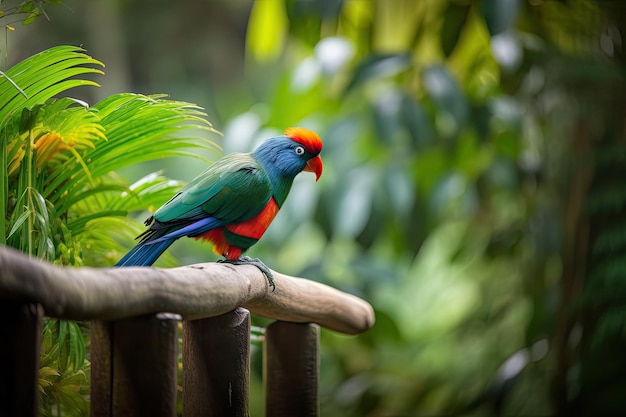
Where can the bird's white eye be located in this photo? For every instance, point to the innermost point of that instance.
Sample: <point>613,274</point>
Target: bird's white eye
<point>299,150</point>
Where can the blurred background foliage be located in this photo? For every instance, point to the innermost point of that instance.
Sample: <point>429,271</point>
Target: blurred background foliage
<point>473,187</point>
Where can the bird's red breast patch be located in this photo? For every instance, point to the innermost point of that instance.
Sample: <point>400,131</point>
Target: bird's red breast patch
<point>252,229</point>
<point>307,138</point>
<point>255,227</point>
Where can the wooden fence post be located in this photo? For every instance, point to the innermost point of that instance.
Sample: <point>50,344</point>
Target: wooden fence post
<point>20,327</point>
<point>216,365</point>
<point>101,337</point>
<point>291,369</point>
<point>134,366</point>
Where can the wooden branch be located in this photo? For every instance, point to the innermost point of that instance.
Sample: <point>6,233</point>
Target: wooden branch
<point>196,291</point>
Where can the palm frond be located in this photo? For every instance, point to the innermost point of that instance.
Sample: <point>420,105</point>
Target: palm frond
<point>17,87</point>
<point>138,128</point>
<point>106,248</point>
<point>42,76</point>
<point>60,155</point>
<point>146,193</point>
<point>94,231</point>
<point>32,220</point>
<point>60,127</point>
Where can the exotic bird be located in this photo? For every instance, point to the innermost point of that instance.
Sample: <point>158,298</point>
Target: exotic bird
<point>233,202</point>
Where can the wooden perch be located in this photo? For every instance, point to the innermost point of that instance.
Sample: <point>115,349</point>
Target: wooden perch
<point>195,291</point>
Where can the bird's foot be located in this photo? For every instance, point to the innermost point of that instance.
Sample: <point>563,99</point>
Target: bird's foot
<point>246,260</point>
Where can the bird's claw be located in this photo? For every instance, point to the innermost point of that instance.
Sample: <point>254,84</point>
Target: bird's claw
<point>246,260</point>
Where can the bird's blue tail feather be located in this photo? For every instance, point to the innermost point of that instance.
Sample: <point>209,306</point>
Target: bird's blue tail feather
<point>155,242</point>
<point>145,253</point>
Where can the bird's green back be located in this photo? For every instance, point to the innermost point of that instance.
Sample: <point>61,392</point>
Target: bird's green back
<point>233,189</point>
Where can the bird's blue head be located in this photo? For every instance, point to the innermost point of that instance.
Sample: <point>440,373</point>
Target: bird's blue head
<point>286,156</point>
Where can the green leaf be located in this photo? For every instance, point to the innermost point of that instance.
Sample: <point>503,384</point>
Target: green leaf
<point>500,15</point>
<point>79,225</point>
<point>138,128</point>
<point>17,87</point>
<point>354,205</point>
<point>386,110</point>
<point>27,118</point>
<point>62,329</point>
<point>27,7</point>
<point>454,19</point>
<point>417,123</point>
<point>42,76</point>
<point>40,206</point>
<point>18,223</point>
<point>449,99</point>
<point>378,66</point>
<point>267,27</point>
<point>31,17</point>
<point>153,189</point>
<point>77,349</point>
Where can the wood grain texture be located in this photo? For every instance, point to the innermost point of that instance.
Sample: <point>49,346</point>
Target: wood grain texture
<point>194,292</point>
<point>134,366</point>
<point>20,327</point>
<point>216,365</point>
<point>291,369</point>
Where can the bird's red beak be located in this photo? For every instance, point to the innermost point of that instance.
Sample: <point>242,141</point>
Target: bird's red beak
<point>315,166</point>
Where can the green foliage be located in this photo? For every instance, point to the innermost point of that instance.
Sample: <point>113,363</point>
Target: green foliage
<point>418,194</point>
<point>64,372</point>
<point>60,195</point>
<point>28,11</point>
<point>450,196</point>
<point>32,125</point>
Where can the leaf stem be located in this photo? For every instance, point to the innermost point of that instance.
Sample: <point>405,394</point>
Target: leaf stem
<point>31,204</point>
<point>4,187</point>
<point>14,84</point>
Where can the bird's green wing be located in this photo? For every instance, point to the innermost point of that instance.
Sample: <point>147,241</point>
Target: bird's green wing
<point>233,189</point>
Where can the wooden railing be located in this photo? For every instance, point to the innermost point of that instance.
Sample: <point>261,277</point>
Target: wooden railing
<point>134,335</point>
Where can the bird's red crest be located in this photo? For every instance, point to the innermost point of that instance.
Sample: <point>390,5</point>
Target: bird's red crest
<point>307,138</point>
